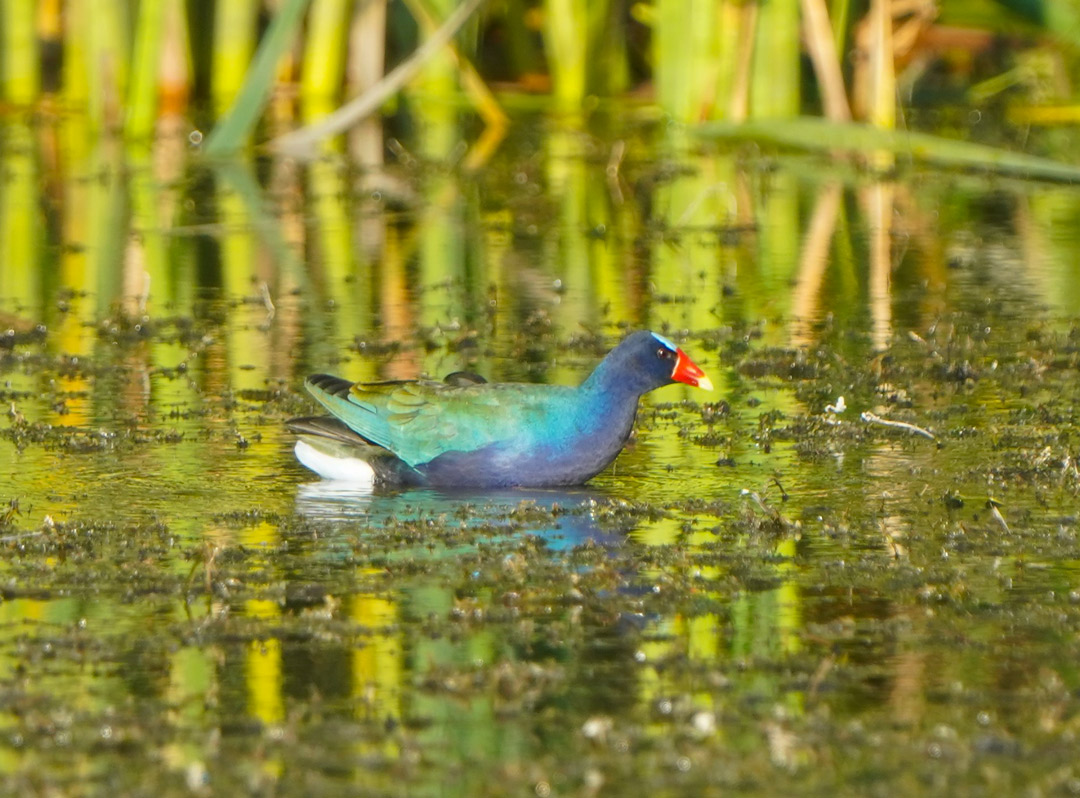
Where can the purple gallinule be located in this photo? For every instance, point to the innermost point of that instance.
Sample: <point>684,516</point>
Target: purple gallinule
<point>466,432</point>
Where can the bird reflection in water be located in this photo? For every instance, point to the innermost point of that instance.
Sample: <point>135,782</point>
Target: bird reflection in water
<point>562,518</point>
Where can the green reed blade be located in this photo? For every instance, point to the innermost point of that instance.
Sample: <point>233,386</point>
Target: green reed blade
<point>237,124</point>
<point>811,133</point>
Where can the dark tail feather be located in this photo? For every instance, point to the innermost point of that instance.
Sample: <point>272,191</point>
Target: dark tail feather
<point>326,427</point>
<point>335,386</point>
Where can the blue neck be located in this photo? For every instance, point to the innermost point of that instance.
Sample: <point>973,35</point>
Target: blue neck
<point>609,400</point>
<point>617,381</point>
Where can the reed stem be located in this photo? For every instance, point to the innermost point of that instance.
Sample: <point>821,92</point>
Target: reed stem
<point>234,42</point>
<point>323,65</point>
<point>20,70</point>
<point>142,98</point>
<point>775,89</point>
<point>566,40</point>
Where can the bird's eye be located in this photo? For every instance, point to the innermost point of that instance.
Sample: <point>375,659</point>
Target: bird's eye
<point>664,354</point>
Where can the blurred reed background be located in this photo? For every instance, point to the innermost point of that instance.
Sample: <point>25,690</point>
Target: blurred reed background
<point>128,65</point>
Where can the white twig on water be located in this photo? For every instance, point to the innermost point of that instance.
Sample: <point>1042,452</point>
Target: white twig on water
<point>870,418</point>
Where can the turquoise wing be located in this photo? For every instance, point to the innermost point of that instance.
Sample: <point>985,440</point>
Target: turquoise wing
<point>419,420</point>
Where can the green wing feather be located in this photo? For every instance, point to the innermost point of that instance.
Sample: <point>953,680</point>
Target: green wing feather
<point>419,420</point>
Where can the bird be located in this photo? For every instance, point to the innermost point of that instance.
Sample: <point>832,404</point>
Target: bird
<point>467,432</point>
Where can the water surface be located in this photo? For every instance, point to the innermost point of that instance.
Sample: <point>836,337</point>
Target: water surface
<point>761,595</point>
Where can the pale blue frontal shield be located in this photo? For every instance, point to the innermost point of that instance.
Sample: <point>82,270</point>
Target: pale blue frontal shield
<point>665,342</point>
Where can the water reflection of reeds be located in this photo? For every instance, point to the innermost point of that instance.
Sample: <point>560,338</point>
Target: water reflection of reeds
<point>688,238</point>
